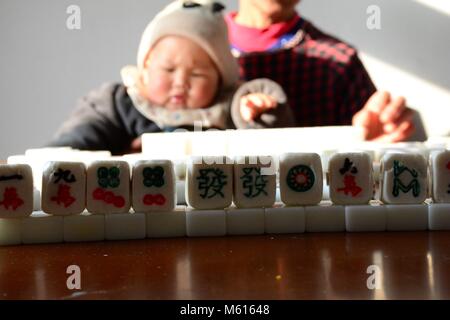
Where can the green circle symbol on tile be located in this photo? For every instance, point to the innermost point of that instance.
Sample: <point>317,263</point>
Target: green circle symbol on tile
<point>300,178</point>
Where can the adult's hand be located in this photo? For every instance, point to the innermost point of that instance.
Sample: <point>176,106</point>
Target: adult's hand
<point>384,119</point>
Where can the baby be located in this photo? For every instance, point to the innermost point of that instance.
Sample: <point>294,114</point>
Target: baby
<point>185,75</point>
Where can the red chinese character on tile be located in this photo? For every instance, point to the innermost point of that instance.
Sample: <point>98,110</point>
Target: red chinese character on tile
<point>350,186</point>
<point>11,199</point>
<point>64,197</point>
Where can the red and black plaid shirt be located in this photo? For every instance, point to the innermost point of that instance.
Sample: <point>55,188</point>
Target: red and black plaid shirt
<point>325,81</point>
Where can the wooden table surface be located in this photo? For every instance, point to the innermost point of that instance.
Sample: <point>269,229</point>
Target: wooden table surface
<point>411,265</point>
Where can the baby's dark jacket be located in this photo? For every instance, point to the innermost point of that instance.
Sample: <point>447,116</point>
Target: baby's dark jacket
<point>106,119</point>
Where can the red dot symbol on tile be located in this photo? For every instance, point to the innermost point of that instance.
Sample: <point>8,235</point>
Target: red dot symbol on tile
<point>448,165</point>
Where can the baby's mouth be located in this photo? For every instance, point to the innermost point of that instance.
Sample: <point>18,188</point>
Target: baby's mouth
<point>178,99</point>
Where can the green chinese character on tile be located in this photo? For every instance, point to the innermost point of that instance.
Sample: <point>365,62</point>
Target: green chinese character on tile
<point>211,182</point>
<point>253,182</point>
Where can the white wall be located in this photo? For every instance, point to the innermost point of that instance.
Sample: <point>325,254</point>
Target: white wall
<point>45,68</point>
<point>409,55</point>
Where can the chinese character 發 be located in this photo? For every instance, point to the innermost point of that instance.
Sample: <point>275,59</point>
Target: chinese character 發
<point>211,182</point>
<point>254,184</point>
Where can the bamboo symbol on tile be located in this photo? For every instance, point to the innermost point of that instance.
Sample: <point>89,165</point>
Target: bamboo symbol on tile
<point>414,184</point>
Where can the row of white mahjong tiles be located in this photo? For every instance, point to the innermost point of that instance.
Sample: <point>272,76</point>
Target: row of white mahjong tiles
<point>59,195</point>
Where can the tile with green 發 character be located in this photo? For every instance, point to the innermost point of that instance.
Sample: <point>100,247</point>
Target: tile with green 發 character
<point>254,181</point>
<point>209,182</point>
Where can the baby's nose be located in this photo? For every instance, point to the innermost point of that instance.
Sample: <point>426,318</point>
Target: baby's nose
<point>181,80</point>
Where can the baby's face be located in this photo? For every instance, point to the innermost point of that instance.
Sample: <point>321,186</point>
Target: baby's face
<point>179,74</point>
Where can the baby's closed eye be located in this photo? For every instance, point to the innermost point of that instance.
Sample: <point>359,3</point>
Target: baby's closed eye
<point>168,69</point>
<point>198,74</point>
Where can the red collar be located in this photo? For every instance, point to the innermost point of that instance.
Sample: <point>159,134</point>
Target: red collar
<point>250,39</point>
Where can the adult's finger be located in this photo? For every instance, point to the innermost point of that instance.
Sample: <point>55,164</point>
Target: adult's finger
<point>401,133</point>
<point>378,102</point>
<point>361,119</point>
<point>394,110</point>
<point>406,116</point>
<point>369,123</point>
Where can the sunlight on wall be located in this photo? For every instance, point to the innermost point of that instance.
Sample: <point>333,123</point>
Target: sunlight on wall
<point>432,101</point>
<point>438,5</point>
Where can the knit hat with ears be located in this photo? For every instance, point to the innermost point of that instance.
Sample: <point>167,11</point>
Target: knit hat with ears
<point>202,22</point>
